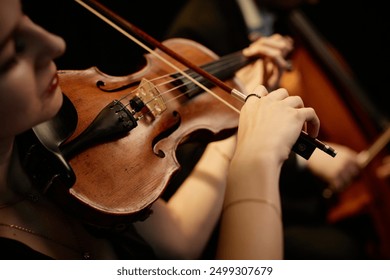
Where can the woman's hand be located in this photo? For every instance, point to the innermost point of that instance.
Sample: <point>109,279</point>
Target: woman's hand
<point>269,125</point>
<point>268,70</point>
<point>338,171</point>
<point>272,124</point>
<point>383,170</point>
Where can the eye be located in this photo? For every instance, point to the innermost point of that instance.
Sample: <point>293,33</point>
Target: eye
<point>20,45</point>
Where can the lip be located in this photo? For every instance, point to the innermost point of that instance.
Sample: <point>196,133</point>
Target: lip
<point>53,84</point>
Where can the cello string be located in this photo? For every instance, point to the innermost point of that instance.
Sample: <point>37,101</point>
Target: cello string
<point>119,29</point>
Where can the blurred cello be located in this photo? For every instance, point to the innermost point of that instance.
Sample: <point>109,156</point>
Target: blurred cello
<point>347,117</point>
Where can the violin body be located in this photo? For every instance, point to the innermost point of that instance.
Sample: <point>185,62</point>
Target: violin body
<point>119,177</point>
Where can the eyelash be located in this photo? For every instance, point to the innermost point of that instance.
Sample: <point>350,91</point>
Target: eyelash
<point>8,64</point>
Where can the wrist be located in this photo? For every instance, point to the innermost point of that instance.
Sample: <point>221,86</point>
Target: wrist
<point>248,179</point>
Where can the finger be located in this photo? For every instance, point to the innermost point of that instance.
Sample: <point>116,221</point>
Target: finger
<point>282,45</point>
<point>260,90</point>
<point>277,40</point>
<point>277,56</point>
<point>294,101</point>
<point>278,94</point>
<point>312,121</point>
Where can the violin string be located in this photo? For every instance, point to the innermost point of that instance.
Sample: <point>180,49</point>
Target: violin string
<point>228,61</point>
<point>135,40</point>
<point>166,82</point>
<point>225,62</point>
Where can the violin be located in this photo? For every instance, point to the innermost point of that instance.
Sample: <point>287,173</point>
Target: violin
<point>117,152</point>
<point>110,152</point>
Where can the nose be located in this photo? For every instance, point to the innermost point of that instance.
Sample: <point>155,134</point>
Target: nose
<point>56,45</point>
<point>45,45</point>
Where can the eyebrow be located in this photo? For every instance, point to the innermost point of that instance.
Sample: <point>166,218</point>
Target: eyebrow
<point>12,31</point>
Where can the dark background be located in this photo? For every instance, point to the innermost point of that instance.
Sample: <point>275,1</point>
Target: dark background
<point>91,42</point>
<point>357,29</point>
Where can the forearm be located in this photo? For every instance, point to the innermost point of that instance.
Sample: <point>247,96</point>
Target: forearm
<point>251,226</point>
<point>198,202</point>
<point>186,221</point>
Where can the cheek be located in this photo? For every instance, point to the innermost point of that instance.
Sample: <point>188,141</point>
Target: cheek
<point>23,107</point>
<point>16,111</point>
<point>24,99</point>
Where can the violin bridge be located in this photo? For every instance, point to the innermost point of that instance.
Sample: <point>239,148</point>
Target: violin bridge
<point>151,97</point>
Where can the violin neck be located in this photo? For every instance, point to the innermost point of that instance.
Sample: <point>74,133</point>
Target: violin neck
<point>223,68</point>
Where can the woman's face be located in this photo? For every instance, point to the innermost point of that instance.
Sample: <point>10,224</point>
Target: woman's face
<point>29,92</point>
